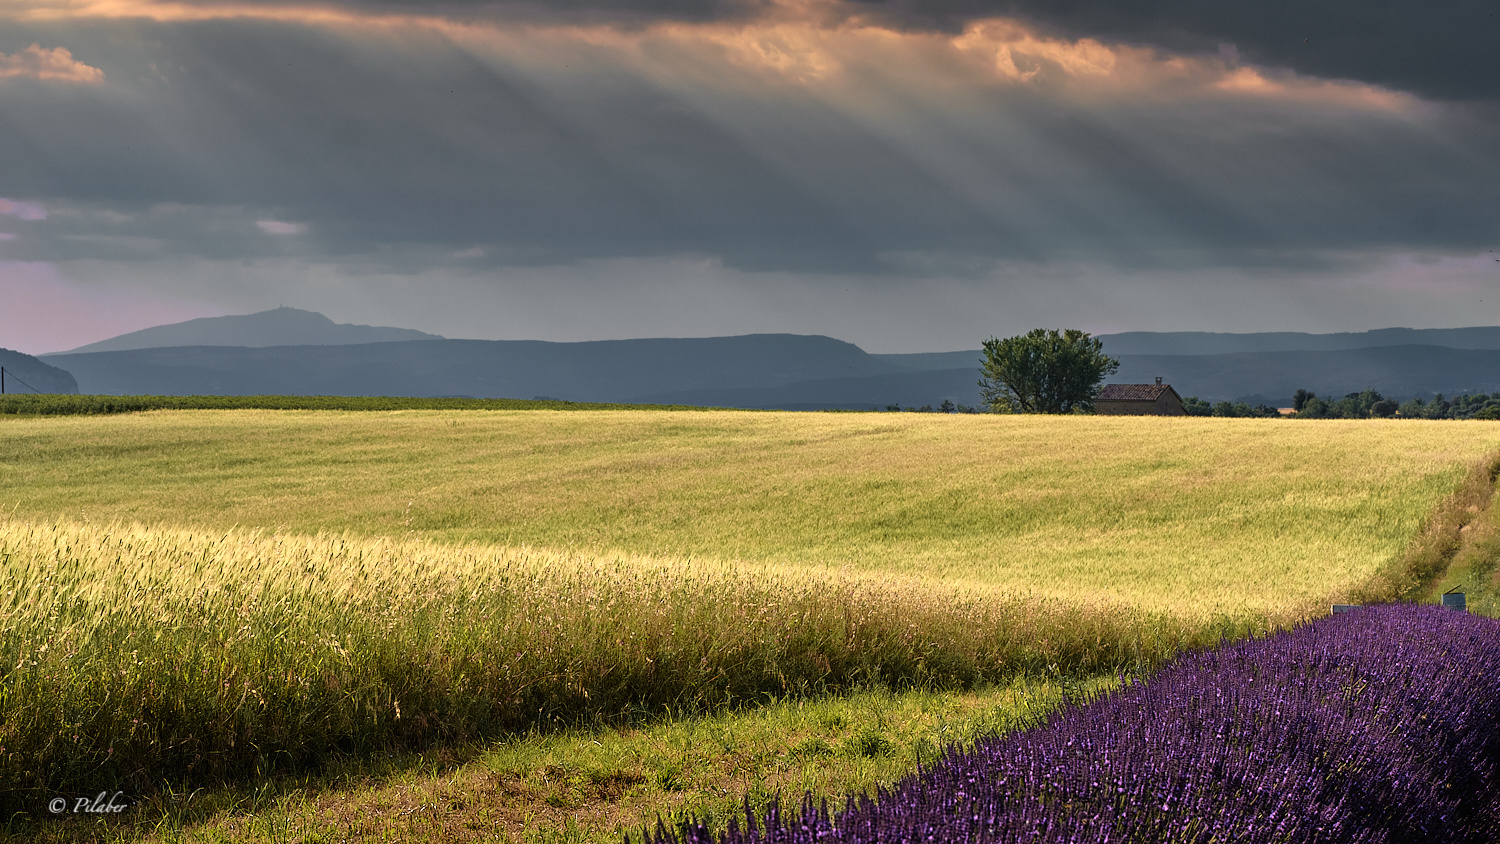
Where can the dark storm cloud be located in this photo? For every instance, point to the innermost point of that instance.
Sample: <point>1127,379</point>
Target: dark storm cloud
<point>379,143</point>
<point>229,139</point>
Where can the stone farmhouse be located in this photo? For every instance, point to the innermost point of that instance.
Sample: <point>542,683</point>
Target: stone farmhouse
<point>1138,400</point>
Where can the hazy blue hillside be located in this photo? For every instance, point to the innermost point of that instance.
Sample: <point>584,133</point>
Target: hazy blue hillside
<point>606,370</point>
<point>1269,377</point>
<point>760,370</point>
<point>933,361</point>
<point>26,374</point>
<point>1208,343</point>
<point>786,371</point>
<point>278,327</point>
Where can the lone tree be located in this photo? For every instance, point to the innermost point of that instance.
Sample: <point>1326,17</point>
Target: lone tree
<point>1043,372</point>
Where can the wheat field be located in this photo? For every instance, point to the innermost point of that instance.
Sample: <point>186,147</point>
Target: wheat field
<point>196,597</point>
<point>1181,515</point>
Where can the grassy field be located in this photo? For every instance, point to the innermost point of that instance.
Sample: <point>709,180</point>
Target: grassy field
<point>201,597</point>
<point>1204,516</point>
<point>45,404</point>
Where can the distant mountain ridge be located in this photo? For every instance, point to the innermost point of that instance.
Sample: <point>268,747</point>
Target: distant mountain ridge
<point>1210,343</point>
<point>756,370</point>
<point>276,327</point>
<point>602,370</point>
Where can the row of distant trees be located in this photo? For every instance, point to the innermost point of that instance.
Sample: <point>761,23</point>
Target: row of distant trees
<point>1371,404</point>
<point>946,407</point>
<point>1198,407</point>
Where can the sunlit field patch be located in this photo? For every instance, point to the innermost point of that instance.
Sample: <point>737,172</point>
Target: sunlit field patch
<point>138,656</point>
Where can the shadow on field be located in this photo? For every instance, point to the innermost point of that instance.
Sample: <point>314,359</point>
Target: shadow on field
<point>590,786</point>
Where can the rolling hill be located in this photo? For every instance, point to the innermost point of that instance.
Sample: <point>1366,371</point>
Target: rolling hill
<point>26,374</point>
<point>606,370</point>
<point>276,327</point>
<point>293,352</point>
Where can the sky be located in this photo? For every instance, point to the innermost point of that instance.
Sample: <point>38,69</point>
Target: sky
<point>908,176</point>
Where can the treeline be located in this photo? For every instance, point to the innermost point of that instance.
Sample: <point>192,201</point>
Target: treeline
<point>84,405</point>
<point>1369,404</point>
<point>1198,407</point>
<point>946,407</point>
<point>1372,405</point>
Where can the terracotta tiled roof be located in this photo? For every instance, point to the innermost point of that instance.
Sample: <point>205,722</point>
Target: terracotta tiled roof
<point>1133,392</point>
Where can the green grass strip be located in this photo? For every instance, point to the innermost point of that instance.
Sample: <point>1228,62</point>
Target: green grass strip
<point>28,404</point>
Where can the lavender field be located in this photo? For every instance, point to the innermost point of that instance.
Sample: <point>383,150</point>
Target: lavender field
<point>1372,726</point>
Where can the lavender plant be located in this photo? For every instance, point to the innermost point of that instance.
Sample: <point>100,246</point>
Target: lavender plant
<point>1373,726</point>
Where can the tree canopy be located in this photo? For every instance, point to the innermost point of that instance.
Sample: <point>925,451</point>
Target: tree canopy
<point>1044,371</point>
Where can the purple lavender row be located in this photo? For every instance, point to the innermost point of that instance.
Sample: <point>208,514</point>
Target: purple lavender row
<point>1373,726</point>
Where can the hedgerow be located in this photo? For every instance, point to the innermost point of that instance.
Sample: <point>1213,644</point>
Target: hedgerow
<point>30,404</point>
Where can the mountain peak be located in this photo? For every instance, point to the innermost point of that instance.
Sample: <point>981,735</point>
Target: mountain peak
<point>280,326</point>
